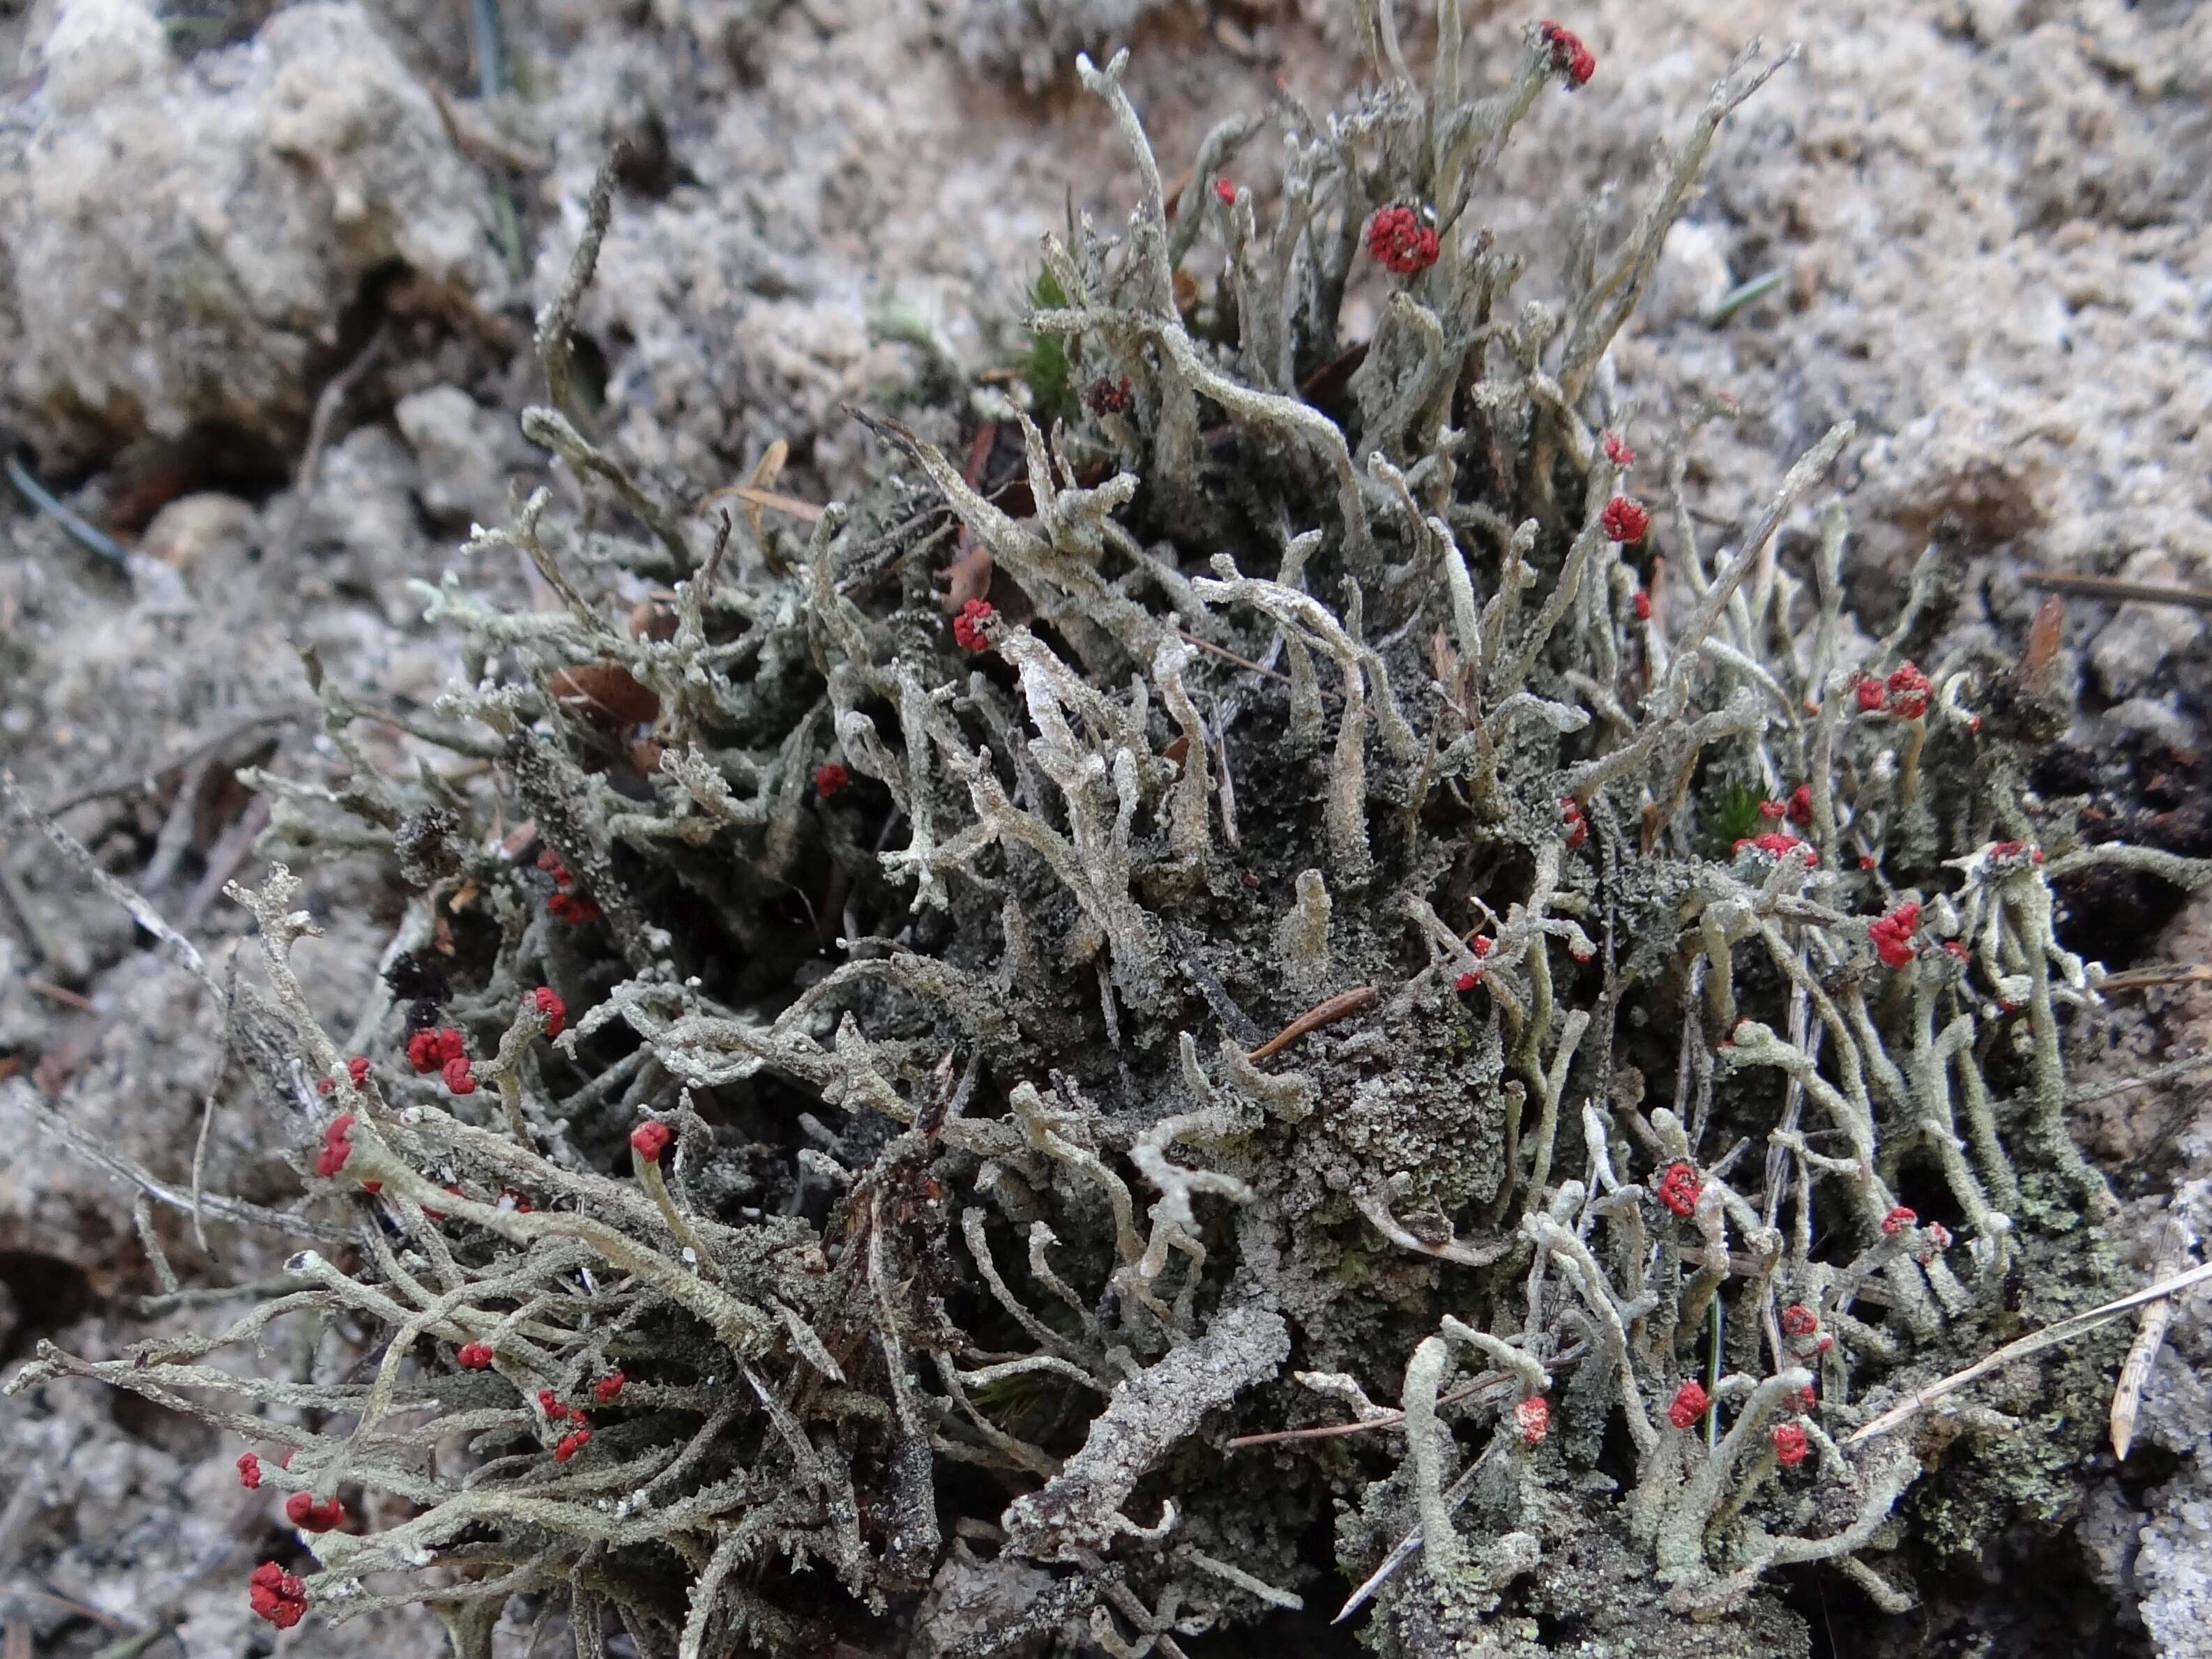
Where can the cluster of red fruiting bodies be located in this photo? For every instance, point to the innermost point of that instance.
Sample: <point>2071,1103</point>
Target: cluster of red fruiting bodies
<point>1402,240</point>
<point>1790,1440</point>
<point>1893,934</point>
<point>1570,57</point>
<point>1777,844</point>
<point>1624,520</point>
<point>1400,237</point>
<point>1798,810</point>
<point>443,1051</point>
<point>277,1596</point>
<point>968,627</point>
<point>1689,1404</point>
<point>1110,394</point>
<point>566,904</point>
<point>1904,693</point>
<point>281,1597</point>
<point>1470,977</point>
<point>1679,1186</point>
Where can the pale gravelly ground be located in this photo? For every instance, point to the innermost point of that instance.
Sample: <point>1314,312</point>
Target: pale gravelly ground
<point>1988,217</point>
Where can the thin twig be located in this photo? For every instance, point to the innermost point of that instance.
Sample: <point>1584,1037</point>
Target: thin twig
<point>22,1096</point>
<point>207,1111</point>
<point>1384,1420</point>
<point>1454,1494</point>
<point>142,779</point>
<point>213,1296</point>
<point>557,323</point>
<point>142,913</point>
<point>2111,588</point>
<point>1381,1422</point>
<point>2049,1337</point>
<point>1340,1007</point>
<point>479,140</point>
<point>130,1647</point>
<point>223,859</point>
<point>1372,1204</point>
<point>66,1604</point>
<point>1230,656</point>
<point>328,402</point>
<point>2087,1092</point>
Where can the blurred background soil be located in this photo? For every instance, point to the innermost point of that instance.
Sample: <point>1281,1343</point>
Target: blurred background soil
<point>267,282</point>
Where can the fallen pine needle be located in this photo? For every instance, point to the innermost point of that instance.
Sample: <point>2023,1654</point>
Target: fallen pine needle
<point>60,993</point>
<point>2049,1337</point>
<point>1345,1003</point>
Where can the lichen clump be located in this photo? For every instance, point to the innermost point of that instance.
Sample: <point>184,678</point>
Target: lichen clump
<point>889,1080</point>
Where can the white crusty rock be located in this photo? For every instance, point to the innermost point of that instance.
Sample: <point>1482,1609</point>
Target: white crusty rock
<point>183,255</point>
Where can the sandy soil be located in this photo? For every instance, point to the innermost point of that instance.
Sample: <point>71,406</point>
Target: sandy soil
<point>264,310</point>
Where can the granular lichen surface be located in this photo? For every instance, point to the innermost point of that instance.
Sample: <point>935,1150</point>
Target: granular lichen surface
<point>1275,980</point>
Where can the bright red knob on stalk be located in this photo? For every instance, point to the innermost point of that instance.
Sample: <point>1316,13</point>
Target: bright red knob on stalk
<point>277,1596</point>
<point>968,627</point>
<point>1679,1186</point>
<point>1688,1405</point>
<point>309,1515</point>
<point>1624,520</point>
<point>1790,1444</point>
<point>1398,239</point>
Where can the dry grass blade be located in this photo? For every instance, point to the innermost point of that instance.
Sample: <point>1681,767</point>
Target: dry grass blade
<point>2049,1337</point>
<point>60,993</point>
<point>2143,979</point>
<point>765,474</point>
<point>767,498</point>
<point>2150,1337</point>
